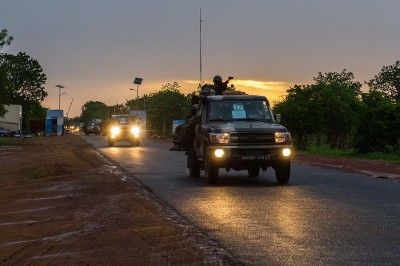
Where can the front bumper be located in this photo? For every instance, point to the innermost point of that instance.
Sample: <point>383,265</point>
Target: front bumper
<point>242,157</point>
<point>124,136</point>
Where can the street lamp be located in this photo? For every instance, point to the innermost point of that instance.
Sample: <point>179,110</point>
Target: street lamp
<point>137,81</point>
<point>59,94</point>
<point>137,97</point>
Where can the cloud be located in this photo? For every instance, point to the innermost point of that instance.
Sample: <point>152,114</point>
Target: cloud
<point>271,86</point>
<point>264,85</point>
<point>273,90</point>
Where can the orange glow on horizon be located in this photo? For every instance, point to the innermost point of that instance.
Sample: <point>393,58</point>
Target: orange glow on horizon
<point>111,93</point>
<point>273,90</point>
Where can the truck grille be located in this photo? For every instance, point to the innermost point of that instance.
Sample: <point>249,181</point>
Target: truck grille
<point>252,138</point>
<point>246,152</point>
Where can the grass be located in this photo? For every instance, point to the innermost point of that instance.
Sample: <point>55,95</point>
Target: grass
<point>36,172</point>
<point>4,141</point>
<point>392,157</point>
<point>350,153</point>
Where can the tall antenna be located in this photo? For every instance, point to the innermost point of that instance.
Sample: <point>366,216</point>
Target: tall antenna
<point>201,63</point>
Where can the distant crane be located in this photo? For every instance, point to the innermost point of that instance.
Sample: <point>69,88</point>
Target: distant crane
<point>69,107</point>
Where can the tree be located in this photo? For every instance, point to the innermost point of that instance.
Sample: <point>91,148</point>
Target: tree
<point>327,106</point>
<point>94,110</point>
<point>3,111</point>
<point>5,39</point>
<point>32,110</point>
<point>24,79</point>
<point>117,109</point>
<point>138,102</point>
<point>378,123</point>
<point>387,81</point>
<point>166,105</point>
<point>301,114</point>
<point>338,94</point>
<point>21,82</point>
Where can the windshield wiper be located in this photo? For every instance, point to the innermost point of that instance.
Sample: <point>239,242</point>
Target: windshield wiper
<point>249,119</point>
<point>219,120</point>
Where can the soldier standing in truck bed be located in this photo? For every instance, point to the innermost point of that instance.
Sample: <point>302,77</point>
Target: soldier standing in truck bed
<point>219,86</point>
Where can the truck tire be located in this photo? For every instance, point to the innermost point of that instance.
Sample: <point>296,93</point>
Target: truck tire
<point>282,171</point>
<point>253,171</point>
<point>193,164</point>
<point>211,170</point>
<point>133,142</point>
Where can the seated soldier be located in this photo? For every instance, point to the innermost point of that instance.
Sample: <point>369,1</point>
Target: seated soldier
<point>184,132</point>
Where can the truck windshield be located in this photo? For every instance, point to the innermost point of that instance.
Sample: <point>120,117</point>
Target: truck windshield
<point>232,110</point>
<point>123,120</point>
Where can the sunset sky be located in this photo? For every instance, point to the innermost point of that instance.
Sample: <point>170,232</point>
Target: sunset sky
<point>95,48</point>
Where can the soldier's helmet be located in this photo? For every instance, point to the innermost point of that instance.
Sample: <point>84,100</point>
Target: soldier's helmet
<point>217,79</point>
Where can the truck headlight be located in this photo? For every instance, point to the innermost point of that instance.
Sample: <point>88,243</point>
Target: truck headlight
<point>135,131</point>
<point>281,137</point>
<point>115,130</point>
<point>286,152</point>
<point>220,137</point>
<point>219,153</point>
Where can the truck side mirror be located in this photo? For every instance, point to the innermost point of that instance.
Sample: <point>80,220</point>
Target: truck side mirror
<point>278,118</point>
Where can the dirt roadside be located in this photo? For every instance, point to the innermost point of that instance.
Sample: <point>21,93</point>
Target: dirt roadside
<point>372,168</point>
<point>62,203</point>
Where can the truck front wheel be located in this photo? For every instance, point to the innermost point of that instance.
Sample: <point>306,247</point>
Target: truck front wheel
<point>134,142</point>
<point>211,170</point>
<point>111,143</point>
<point>282,171</point>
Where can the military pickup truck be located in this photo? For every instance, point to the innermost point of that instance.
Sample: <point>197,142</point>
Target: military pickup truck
<point>92,127</point>
<point>124,128</point>
<point>238,132</point>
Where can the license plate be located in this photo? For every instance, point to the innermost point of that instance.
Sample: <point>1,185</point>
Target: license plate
<point>255,157</point>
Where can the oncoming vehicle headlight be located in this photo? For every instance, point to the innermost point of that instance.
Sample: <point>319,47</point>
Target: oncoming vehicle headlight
<point>281,137</point>
<point>135,131</point>
<point>115,130</point>
<point>219,137</point>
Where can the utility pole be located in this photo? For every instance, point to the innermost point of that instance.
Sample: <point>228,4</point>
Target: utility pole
<point>59,95</point>
<point>137,96</point>
<point>137,81</point>
<point>201,63</point>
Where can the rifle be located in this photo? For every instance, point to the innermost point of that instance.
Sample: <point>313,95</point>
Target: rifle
<point>219,88</point>
<point>227,81</point>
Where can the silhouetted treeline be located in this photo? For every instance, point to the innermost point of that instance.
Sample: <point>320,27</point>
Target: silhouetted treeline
<point>334,110</point>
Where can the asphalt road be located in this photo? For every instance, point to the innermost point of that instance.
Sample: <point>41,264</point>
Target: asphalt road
<point>322,216</point>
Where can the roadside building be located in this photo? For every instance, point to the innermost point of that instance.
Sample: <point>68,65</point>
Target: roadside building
<point>12,119</point>
<point>54,122</point>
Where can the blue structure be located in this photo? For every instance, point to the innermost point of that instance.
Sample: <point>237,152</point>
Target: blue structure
<point>54,122</point>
